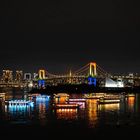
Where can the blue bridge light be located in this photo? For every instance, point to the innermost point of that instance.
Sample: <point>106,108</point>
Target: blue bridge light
<point>41,83</point>
<point>92,81</point>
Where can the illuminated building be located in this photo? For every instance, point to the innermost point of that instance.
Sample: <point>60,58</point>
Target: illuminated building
<point>7,76</point>
<point>30,84</point>
<point>111,83</point>
<point>19,76</point>
<point>120,82</point>
<point>131,79</point>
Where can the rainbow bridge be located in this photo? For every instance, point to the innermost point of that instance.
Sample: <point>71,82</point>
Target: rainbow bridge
<point>88,74</point>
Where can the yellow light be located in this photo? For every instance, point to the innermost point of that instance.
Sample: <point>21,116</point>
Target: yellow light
<point>41,74</point>
<point>94,71</point>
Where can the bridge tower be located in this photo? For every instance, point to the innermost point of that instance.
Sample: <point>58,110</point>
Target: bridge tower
<point>92,73</point>
<point>92,69</point>
<point>42,74</point>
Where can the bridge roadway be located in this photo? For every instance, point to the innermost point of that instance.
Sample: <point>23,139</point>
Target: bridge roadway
<point>66,76</point>
<point>98,76</point>
<point>64,79</point>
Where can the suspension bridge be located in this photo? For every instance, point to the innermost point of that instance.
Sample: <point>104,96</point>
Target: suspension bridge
<point>91,73</point>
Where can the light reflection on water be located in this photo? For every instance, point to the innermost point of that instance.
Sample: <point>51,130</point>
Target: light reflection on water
<point>91,113</point>
<point>18,113</point>
<point>66,114</point>
<point>41,108</point>
<point>109,107</point>
<point>131,103</point>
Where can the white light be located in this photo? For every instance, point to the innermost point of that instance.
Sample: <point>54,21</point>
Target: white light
<point>30,84</point>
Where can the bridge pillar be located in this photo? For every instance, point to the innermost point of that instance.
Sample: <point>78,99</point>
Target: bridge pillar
<point>91,81</point>
<point>41,83</point>
<point>42,74</point>
<point>92,74</point>
<point>92,69</point>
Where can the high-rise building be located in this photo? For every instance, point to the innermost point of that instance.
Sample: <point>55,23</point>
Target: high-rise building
<point>19,76</point>
<point>7,76</point>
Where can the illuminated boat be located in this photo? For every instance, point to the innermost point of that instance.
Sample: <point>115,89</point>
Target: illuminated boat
<point>43,97</point>
<point>76,100</point>
<point>108,100</point>
<point>130,95</point>
<point>66,106</point>
<point>19,102</point>
<point>2,95</point>
<point>80,102</point>
<point>34,95</point>
<point>95,96</point>
<point>61,98</point>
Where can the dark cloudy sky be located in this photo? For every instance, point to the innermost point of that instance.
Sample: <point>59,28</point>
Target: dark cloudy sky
<point>58,35</point>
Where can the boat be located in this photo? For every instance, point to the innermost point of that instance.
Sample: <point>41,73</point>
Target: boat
<point>130,95</point>
<point>2,96</point>
<point>19,102</point>
<point>61,98</point>
<point>66,106</point>
<point>34,95</point>
<point>43,97</point>
<point>94,96</point>
<point>108,100</point>
<point>76,100</point>
<point>61,95</point>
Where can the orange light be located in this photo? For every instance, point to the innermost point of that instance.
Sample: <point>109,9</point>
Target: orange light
<point>131,100</point>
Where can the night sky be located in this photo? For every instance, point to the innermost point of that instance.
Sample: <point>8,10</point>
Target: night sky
<point>61,35</point>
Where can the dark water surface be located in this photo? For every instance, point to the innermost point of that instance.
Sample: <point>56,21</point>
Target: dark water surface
<point>91,120</point>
